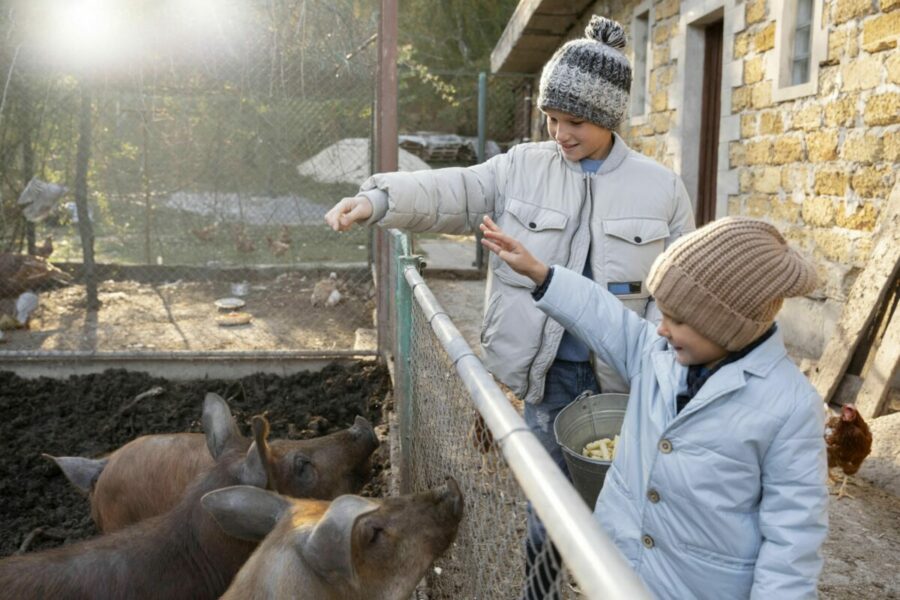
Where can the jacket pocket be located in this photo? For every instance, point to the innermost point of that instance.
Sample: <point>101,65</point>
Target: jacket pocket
<point>630,247</point>
<point>712,576</point>
<point>719,559</point>
<point>539,229</point>
<point>535,218</point>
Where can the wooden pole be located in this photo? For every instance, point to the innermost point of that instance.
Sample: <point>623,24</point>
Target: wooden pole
<point>85,226</point>
<point>872,398</point>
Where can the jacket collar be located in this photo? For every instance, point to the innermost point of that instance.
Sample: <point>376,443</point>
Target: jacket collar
<point>729,378</point>
<point>617,156</point>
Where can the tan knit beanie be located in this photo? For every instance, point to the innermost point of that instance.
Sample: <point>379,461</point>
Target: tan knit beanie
<point>729,279</point>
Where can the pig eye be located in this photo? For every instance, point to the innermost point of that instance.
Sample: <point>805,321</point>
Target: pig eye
<point>303,467</point>
<point>375,534</point>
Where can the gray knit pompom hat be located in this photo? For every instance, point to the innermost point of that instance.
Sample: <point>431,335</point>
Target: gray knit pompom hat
<point>589,77</point>
<point>729,279</point>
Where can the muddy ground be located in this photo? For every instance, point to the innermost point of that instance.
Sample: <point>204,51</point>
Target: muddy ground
<point>79,416</point>
<point>180,315</point>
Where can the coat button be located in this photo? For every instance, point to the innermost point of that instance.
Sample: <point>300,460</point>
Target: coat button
<point>647,541</point>
<point>653,495</point>
<point>532,224</point>
<point>637,239</point>
<point>665,446</point>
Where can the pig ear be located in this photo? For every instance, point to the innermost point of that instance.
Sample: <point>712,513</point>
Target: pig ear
<point>245,512</point>
<point>261,439</point>
<point>253,469</point>
<point>218,424</point>
<point>329,548</point>
<point>81,472</point>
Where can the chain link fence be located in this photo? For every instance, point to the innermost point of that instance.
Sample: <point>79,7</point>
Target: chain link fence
<point>455,421</point>
<point>162,170</point>
<point>439,124</point>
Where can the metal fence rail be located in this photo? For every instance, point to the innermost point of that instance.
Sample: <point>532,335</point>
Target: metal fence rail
<point>441,389</point>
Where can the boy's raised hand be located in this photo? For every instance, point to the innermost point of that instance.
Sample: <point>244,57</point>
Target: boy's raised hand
<point>512,252</point>
<point>347,212</point>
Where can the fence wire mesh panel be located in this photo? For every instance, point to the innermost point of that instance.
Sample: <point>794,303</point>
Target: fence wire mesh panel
<point>448,438</point>
<point>155,160</point>
<point>441,126</point>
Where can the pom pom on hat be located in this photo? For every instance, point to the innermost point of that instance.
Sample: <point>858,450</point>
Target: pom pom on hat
<point>606,31</point>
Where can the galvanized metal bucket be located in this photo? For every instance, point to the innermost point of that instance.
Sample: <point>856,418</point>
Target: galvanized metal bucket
<point>585,420</point>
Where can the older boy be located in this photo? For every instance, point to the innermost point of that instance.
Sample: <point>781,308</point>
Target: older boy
<point>584,200</point>
<point>718,485</point>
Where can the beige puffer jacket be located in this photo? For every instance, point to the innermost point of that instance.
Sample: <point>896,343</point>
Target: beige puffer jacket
<point>626,214</point>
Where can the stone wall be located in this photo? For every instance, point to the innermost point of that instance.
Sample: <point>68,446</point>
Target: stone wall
<point>821,166</point>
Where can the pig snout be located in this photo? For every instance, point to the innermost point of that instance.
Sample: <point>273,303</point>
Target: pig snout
<point>450,499</point>
<point>362,430</point>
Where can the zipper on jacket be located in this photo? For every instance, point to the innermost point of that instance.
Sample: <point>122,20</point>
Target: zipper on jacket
<point>587,195</point>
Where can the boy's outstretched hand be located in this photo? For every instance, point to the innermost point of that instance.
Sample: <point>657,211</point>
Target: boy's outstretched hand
<point>512,252</point>
<point>347,212</point>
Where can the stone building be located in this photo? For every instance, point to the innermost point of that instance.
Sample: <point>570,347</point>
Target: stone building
<point>787,110</point>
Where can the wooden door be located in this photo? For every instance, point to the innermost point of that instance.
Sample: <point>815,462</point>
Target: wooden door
<point>709,123</point>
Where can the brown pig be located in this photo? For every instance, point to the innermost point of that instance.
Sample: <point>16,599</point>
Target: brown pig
<point>353,548</point>
<point>147,476</point>
<point>182,554</point>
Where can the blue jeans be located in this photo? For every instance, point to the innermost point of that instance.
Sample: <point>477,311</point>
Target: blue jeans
<point>565,382</point>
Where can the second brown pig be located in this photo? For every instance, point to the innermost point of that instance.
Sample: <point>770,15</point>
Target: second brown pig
<point>352,548</point>
<point>147,476</point>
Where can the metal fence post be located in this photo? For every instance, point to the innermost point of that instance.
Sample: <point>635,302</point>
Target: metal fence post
<point>403,331</point>
<point>385,149</point>
<point>482,138</point>
<point>482,114</point>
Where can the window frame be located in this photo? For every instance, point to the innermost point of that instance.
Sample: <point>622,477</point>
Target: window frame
<point>781,66</point>
<point>642,17</point>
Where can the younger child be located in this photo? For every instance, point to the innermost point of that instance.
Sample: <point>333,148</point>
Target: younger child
<point>718,485</point>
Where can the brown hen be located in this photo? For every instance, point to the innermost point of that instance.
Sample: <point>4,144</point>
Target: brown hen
<point>45,249</point>
<point>848,441</point>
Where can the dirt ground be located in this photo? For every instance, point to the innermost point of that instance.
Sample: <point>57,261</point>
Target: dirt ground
<point>181,316</point>
<point>862,552</point>
<point>79,417</point>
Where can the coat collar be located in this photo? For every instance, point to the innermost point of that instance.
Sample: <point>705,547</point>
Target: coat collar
<point>758,363</point>
<point>617,156</point>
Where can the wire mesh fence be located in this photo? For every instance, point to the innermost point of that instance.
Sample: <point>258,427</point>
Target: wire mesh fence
<point>449,438</point>
<point>196,155</point>
<point>455,421</point>
<point>441,125</point>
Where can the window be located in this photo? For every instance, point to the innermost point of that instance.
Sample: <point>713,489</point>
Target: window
<point>640,35</point>
<point>800,45</point>
<point>802,42</point>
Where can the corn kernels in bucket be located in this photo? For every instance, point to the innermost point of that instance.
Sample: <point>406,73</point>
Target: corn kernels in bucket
<point>584,421</point>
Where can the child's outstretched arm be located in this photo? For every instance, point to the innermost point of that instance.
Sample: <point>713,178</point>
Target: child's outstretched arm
<point>615,333</point>
<point>512,252</point>
<point>449,200</point>
<point>348,211</point>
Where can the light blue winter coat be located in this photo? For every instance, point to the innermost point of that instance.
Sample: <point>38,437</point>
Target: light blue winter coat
<point>726,499</point>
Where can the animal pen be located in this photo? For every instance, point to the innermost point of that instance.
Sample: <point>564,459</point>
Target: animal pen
<point>165,205</point>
